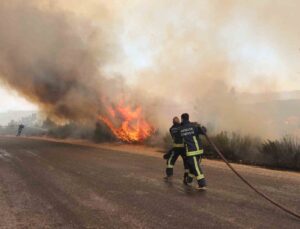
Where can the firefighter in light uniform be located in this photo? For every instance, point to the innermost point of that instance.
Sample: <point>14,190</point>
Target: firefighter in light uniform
<point>177,150</point>
<point>190,132</point>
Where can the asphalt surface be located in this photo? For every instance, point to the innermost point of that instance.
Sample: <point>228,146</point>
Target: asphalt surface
<point>47,184</point>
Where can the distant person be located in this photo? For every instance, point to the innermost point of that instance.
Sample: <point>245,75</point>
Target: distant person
<point>176,151</point>
<point>20,129</point>
<point>190,132</point>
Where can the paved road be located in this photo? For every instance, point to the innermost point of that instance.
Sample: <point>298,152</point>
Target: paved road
<point>60,185</point>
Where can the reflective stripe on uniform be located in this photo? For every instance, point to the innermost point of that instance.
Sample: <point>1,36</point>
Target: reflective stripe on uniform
<point>191,175</point>
<point>196,143</point>
<point>199,174</point>
<point>169,165</point>
<point>193,153</point>
<point>178,145</point>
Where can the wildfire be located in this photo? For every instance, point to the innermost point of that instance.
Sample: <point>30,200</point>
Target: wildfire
<point>127,124</point>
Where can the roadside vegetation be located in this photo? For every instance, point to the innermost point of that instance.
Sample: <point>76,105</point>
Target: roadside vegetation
<point>277,154</point>
<point>283,153</point>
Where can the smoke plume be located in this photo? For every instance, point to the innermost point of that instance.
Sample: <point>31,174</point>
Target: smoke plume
<point>54,59</point>
<point>208,52</point>
<point>173,56</point>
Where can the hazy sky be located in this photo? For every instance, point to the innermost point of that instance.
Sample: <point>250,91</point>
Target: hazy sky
<point>260,55</point>
<point>12,101</point>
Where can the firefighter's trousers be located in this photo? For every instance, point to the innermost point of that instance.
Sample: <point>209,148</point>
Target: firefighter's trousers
<point>174,154</point>
<point>195,170</point>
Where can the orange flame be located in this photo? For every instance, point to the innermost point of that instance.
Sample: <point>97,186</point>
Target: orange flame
<point>131,127</point>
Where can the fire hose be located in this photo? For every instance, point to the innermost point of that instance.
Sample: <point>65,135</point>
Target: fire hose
<point>247,182</point>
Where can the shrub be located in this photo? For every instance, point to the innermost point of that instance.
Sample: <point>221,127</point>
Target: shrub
<point>102,134</point>
<point>235,147</point>
<point>284,153</point>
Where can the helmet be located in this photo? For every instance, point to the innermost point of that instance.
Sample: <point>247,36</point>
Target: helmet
<point>185,117</point>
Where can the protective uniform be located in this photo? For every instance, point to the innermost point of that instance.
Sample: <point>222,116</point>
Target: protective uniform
<point>190,133</point>
<point>177,150</point>
<point>20,128</point>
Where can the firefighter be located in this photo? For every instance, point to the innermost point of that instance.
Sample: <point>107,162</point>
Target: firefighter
<point>176,151</point>
<point>190,132</point>
<point>21,127</point>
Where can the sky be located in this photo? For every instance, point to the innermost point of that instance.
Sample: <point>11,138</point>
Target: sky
<point>10,101</point>
<point>260,55</point>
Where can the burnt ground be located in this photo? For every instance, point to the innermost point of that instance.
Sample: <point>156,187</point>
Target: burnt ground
<point>46,184</point>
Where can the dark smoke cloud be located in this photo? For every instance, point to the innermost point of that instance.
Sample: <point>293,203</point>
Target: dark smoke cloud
<point>194,53</point>
<point>54,59</point>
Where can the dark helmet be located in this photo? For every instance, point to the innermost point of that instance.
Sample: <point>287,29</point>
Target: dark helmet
<point>185,117</point>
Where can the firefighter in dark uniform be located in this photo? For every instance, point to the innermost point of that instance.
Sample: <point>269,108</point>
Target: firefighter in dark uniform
<point>190,132</point>
<point>20,128</point>
<point>177,150</point>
